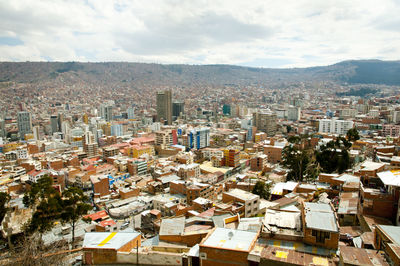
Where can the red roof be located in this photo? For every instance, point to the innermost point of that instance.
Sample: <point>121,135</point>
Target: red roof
<point>107,223</point>
<point>97,215</point>
<point>208,213</point>
<point>34,172</point>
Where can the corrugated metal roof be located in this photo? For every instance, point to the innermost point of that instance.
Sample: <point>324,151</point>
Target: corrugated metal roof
<point>172,226</point>
<point>320,216</point>
<point>392,231</point>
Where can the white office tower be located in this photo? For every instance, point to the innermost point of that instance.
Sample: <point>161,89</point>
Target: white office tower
<point>131,113</point>
<point>106,112</point>
<point>24,121</point>
<point>36,132</point>
<point>335,126</point>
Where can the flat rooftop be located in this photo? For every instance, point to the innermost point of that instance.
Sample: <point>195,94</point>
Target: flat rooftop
<point>107,240</point>
<point>232,239</point>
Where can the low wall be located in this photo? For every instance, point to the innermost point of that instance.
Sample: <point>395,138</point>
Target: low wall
<point>150,258</point>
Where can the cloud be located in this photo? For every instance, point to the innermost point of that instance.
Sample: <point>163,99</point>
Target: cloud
<point>290,33</point>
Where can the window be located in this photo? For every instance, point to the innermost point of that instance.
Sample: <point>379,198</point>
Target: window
<point>320,236</point>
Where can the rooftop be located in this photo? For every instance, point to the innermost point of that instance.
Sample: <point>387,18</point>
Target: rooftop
<point>320,216</point>
<point>390,178</point>
<point>107,240</point>
<point>241,194</point>
<point>230,239</point>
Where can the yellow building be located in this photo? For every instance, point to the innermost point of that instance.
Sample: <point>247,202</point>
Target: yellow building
<point>137,151</point>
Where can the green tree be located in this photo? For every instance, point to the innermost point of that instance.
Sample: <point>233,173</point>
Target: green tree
<point>296,160</point>
<point>47,205</point>
<point>262,189</point>
<point>4,199</point>
<point>74,207</point>
<point>334,156</point>
<point>352,134</point>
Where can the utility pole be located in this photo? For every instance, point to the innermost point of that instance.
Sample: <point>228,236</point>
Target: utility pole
<point>137,252</point>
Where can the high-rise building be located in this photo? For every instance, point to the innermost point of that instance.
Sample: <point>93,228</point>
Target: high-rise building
<point>24,123</point>
<point>3,132</point>
<point>106,112</point>
<point>116,130</point>
<point>335,126</point>
<point>164,106</point>
<point>36,132</point>
<point>198,138</point>
<point>60,121</point>
<point>90,146</point>
<point>226,109</point>
<point>54,124</point>
<point>265,121</point>
<point>131,113</point>
<point>294,113</point>
<point>178,108</point>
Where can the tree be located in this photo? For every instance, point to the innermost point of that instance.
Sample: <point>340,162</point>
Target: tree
<point>4,199</point>
<point>334,156</point>
<point>74,207</point>
<point>352,134</point>
<point>262,189</point>
<point>312,170</point>
<point>296,160</point>
<point>47,205</point>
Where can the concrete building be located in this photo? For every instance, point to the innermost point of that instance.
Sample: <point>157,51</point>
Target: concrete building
<point>90,146</point>
<point>54,124</point>
<point>164,106</point>
<point>178,109</point>
<point>294,113</point>
<point>106,112</point>
<point>198,138</point>
<point>391,130</point>
<point>265,121</point>
<point>24,121</point>
<point>131,112</point>
<point>335,126</point>
<point>250,200</point>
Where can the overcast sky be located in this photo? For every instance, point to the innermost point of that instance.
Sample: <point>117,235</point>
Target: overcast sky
<point>266,33</point>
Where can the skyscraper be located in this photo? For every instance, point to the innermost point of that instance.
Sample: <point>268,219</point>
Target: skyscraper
<point>265,121</point>
<point>178,108</point>
<point>24,123</point>
<point>106,112</point>
<point>54,124</point>
<point>3,132</point>
<point>164,106</point>
<point>131,113</point>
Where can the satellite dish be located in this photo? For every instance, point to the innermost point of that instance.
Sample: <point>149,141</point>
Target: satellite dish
<point>230,234</point>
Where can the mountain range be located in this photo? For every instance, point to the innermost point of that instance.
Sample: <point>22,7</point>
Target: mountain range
<point>346,72</point>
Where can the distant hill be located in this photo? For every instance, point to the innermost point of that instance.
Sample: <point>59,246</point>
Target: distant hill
<point>352,72</point>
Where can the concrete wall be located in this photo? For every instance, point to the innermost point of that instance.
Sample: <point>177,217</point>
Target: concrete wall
<point>150,258</point>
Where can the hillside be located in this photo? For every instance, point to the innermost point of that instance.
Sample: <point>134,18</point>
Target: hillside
<point>361,72</point>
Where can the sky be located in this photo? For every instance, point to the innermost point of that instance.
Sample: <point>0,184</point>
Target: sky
<point>266,33</point>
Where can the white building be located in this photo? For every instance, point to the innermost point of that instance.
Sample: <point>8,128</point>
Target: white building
<point>335,126</point>
<point>24,121</point>
<point>198,138</point>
